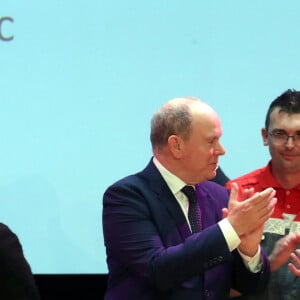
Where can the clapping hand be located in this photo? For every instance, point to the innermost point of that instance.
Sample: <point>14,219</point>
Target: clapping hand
<point>294,266</point>
<point>284,250</point>
<point>249,215</point>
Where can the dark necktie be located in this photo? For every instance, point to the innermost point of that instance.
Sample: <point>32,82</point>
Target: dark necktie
<point>194,213</point>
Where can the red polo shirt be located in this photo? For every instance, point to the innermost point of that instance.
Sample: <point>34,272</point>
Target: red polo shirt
<point>288,201</point>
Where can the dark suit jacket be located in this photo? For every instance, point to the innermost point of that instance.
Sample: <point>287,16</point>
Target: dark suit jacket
<point>16,279</point>
<point>151,253</point>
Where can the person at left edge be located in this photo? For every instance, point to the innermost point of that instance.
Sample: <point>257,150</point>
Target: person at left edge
<point>151,252</point>
<point>16,279</point>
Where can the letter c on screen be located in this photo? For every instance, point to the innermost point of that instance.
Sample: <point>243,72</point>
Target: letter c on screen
<point>2,37</point>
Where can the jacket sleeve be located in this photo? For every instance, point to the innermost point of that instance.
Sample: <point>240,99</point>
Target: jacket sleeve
<point>247,282</point>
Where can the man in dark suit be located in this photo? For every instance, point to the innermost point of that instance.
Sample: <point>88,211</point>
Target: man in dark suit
<point>153,250</point>
<point>16,279</point>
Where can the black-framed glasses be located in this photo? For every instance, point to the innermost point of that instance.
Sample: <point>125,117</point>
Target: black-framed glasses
<point>281,137</point>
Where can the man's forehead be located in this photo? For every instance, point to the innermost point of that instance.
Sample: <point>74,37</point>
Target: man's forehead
<point>284,120</point>
<point>278,114</point>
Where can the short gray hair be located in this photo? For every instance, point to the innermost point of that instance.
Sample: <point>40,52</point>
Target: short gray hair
<point>172,118</point>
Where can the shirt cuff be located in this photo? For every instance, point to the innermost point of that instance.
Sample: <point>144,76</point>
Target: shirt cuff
<point>231,237</point>
<point>254,263</point>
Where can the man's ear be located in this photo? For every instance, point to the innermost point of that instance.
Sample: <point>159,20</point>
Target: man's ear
<point>264,135</point>
<point>175,144</point>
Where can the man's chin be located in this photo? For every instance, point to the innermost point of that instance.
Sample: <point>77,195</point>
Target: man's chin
<point>212,175</point>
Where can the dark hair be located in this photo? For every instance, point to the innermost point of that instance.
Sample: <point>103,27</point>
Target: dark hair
<point>288,102</point>
<point>169,120</point>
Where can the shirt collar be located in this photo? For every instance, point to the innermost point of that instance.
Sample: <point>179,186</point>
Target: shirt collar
<point>269,179</point>
<point>174,183</point>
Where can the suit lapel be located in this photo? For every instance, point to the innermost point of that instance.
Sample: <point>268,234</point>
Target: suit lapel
<point>175,211</point>
<point>166,198</point>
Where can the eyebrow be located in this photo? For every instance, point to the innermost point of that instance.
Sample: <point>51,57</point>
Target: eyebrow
<point>283,130</point>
